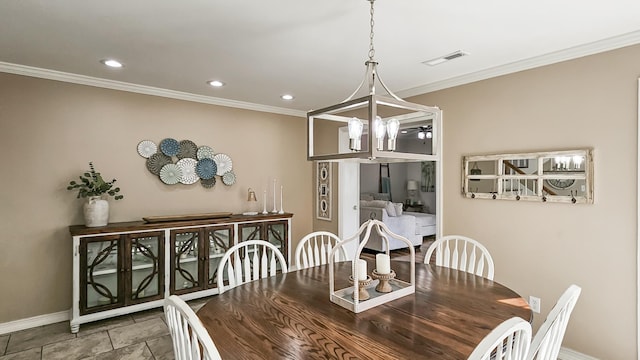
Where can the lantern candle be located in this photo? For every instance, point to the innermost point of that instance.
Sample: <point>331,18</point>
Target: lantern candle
<point>383,265</point>
<point>361,270</point>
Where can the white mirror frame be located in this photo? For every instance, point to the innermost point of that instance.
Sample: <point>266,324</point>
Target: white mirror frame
<point>535,184</point>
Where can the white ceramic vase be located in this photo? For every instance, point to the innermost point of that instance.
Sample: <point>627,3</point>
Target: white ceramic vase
<point>96,212</point>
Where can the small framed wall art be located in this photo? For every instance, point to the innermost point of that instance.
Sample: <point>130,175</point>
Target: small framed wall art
<point>323,190</point>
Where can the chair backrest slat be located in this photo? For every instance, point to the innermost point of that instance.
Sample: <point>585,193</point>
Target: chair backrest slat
<point>320,253</point>
<point>509,341</point>
<point>461,253</point>
<point>260,259</point>
<point>314,249</point>
<point>454,256</point>
<point>189,338</point>
<point>546,344</point>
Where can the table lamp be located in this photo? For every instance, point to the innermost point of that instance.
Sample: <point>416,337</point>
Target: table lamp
<point>252,203</point>
<point>412,190</point>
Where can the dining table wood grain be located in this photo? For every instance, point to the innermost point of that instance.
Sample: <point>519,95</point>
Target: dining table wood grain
<point>290,316</point>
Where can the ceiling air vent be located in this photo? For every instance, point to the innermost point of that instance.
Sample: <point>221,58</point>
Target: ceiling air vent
<point>440,60</point>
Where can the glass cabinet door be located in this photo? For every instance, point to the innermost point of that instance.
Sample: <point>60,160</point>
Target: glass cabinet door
<point>145,266</point>
<point>186,269</point>
<point>252,231</point>
<point>220,239</point>
<point>100,261</point>
<point>276,233</point>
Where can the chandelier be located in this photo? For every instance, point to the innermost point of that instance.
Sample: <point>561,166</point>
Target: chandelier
<point>357,127</point>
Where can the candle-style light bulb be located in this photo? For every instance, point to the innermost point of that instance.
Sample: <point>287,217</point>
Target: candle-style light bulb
<point>393,125</point>
<point>381,131</point>
<point>355,133</point>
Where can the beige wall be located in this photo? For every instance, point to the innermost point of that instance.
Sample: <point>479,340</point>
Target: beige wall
<point>541,248</point>
<point>51,130</point>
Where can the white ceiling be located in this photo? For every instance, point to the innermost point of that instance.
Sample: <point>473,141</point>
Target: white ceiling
<point>313,50</point>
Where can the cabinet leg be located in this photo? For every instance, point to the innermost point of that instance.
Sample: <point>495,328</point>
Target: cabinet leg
<point>75,328</point>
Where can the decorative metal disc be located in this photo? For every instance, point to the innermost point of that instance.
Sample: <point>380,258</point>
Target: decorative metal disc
<point>170,147</point>
<point>205,152</point>
<point>188,168</point>
<point>170,174</point>
<point>224,163</point>
<point>147,148</point>
<point>188,149</point>
<point>229,178</point>
<point>208,183</point>
<point>156,161</point>
<point>206,168</point>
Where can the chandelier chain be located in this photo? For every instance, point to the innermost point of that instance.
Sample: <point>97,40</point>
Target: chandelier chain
<point>372,51</point>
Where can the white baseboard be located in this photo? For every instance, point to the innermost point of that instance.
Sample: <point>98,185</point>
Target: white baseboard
<point>35,321</point>
<point>568,354</point>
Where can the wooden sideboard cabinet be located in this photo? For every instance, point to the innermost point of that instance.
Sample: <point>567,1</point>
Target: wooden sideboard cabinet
<point>132,266</point>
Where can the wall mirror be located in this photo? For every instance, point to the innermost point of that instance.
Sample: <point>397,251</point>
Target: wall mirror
<point>553,176</point>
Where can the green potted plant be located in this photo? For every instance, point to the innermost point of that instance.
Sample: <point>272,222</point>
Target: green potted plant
<point>93,187</point>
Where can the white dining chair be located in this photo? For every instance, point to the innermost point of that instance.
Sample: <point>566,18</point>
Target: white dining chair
<point>462,253</point>
<point>248,261</point>
<point>190,339</point>
<point>508,341</point>
<point>314,250</point>
<point>547,341</point>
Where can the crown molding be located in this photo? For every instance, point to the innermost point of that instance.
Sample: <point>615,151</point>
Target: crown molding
<point>608,44</point>
<point>140,89</point>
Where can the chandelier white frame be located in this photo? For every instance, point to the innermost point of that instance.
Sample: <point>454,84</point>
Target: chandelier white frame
<point>369,120</point>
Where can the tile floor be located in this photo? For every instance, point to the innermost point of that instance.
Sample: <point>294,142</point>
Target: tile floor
<point>139,336</point>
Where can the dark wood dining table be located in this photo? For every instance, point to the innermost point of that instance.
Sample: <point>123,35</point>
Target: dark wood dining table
<point>290,316</point>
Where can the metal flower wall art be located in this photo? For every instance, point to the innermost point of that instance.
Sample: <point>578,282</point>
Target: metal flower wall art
<point>184,162</point>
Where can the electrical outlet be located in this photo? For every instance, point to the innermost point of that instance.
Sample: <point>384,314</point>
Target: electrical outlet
<point>534,303</point>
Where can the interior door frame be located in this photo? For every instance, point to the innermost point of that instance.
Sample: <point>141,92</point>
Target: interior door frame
<point>348,196</point>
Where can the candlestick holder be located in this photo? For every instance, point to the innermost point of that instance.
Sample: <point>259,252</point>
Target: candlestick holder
<point>383,286</point>
<point>264,203</point>
<point>363,294</point>
<point>275,209</point>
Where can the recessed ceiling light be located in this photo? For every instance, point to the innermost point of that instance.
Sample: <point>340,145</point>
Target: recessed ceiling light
<point>215,83</point>
<point>441,59</point>
<point>286,97</point>
<point>112,63</point>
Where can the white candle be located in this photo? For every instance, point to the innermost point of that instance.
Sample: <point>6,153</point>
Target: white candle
<point>361,269</point>
<point>281,206</point>
<point>383,265</point>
